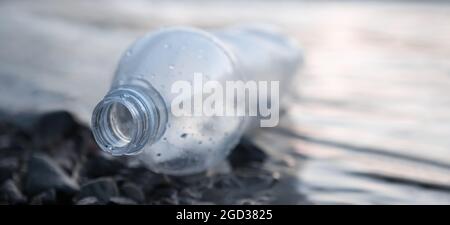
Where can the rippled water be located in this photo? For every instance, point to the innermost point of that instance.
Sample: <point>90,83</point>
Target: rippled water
<point>369,120</point>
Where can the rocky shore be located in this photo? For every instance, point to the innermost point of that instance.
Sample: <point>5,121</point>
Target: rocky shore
<point>53,159</point>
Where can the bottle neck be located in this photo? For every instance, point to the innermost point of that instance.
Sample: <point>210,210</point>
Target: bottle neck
<point>128,118</point>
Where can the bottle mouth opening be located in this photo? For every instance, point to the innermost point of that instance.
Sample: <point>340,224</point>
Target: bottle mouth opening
<point>118,124</point>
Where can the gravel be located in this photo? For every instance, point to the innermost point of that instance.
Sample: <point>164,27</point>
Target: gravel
<point>54,160</point>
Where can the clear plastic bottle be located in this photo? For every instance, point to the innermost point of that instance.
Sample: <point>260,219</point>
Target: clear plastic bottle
<point>135,116</point>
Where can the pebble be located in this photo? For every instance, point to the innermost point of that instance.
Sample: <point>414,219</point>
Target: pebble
<point>8,166</point>
<point>54,127</point>
<point>246,154</point>
<point>88,201</point>
<point>101,166</point>
<point>9,193</point>
<point>121,201</point>
<point>102,188</point>
<point>44,174</point>
<point>133,192</point>
<point>46,197</point>
<point>11,161</point>
<point>57,152</point>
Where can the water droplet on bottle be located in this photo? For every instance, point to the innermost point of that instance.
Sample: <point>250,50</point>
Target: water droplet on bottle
<point>171,67</point>
<point>166,46</point>
<point>183,135</point>
<point>200,142</point>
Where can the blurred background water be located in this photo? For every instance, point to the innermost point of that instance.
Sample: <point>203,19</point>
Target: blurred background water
<point>368,124</point>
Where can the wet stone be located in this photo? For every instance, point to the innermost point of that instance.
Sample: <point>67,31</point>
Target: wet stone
<point>55,126</point>
<point>8,166</point>
<point>10,193</point>
<point>133,192</point>
<point>147,179</point>
<point>46,197</point>
<point>166,195</point>
<point>98,165</point>
<point>44,174</point>
<point>66,155</point>
<point>121,201</point>
<point>102,188</point>
<point>11,161</point>
<point>60,161</point>
<point>88,201</point>
<point>246,154</point>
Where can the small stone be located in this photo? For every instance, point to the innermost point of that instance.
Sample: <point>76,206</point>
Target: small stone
<point>10,194</point>
<point>46,197</point>
<point>101,166</point>
<point>86,141</point>
<point>121,201</point>
<point>247,202</point>
<point>66,155</point>
<point>191,193</point>
<point>8,166</point>
<point>11,161</point>
<point>166,195</point>
<point>44,174</point>
<point>102,188</point>
<point>88,201</point>
<point>146,179</point>
<point>246,154</point>
<point>55,126</point>
<point>133,192</point>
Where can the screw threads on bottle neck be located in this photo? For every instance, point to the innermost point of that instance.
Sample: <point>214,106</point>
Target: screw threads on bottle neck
<point>127,119</point>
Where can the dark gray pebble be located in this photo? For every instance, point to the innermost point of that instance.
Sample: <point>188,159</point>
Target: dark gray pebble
<point>121,201</point>
<point>46,197</point>
<point>246,154</point>
<point>88,201</point>
<point>101,166</point>
<point>8,166</point>
<point>10,194</point>
<point>102,188</point>
<point>11,161</point>
<point>133,192</point>
<point>55,126</point>
<point>44,174</point>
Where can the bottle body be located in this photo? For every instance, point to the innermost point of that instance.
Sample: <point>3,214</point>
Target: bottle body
<point>136,115</point>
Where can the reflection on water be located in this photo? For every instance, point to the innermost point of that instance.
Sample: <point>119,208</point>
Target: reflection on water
<point>341,173</point>
<point>369,120</point>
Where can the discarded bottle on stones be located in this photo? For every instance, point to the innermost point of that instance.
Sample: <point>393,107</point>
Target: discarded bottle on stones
<point>136,117</point>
